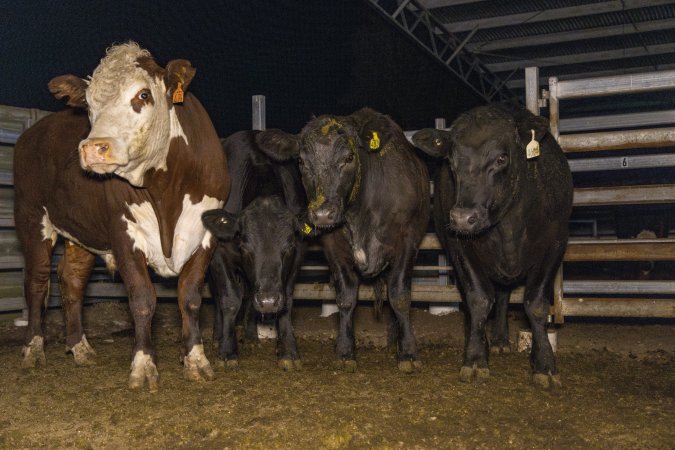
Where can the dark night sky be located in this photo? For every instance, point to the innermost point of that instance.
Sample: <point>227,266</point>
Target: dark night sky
<point>307,57</point>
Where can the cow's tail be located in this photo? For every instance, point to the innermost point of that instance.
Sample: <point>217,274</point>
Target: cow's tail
<point>380,290</point>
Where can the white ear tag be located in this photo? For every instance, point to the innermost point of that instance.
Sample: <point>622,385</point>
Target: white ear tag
<point>532,148</point>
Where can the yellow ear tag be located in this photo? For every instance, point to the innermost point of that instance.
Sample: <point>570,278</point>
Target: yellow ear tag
<point>178,94</point>
<point>375,141</point>
<point>532,148</point>
<point>306,229</point>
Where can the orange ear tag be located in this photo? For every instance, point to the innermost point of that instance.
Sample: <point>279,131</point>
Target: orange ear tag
<point>178,94</point>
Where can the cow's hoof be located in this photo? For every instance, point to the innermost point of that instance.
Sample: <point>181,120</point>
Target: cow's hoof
<point>229,363</point>
<point>547,381</point>
<point>143,368</point>
<point>467,374</point>
<point>409,366</point>
<point>290,365</point>
<point>83,353</point>
<point>347,365</point>
<point>500,348</point>
<point>34,354</point>
<point>195,365</point>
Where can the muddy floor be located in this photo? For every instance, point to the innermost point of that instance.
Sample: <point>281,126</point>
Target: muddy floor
<point>618,389</point>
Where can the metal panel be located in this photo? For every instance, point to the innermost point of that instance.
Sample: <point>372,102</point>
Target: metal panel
<point>619,307</point>
<point>618,121</point>
<point>621,163</point>
<point>624,195</point>
<point>620,84</point>
<point>618,140</point>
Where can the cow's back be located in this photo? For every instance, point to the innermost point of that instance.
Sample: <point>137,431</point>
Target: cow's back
<point>48,180</point>
<point>253,175</point>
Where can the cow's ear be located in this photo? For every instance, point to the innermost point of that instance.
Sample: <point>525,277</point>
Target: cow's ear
<point>433,142</point>
<point>71,87</point>
<point>178,71</point>
<point>526,122</point>
<point>222,224</point>
<point>278,145</point>
<point>303,228</point>
<point>374,129</point>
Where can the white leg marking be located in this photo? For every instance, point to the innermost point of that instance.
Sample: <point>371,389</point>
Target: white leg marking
<point>195,365</point>
<point>142,368</point>
<point>83,352</point>
<point>34,353</point>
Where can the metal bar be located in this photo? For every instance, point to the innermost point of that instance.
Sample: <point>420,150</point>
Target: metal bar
<point>532,89</point>
<point>618,121</point>
<point>621,250</point>
<point>618,140</point>
<point>572,35</point>
<point>542,15</point>
<point>515,62</point>
<point>461,45</point>
<point>619,84</point>
<point>553,108</point>
<point>400,8</point>
<point>624,195</point>
<point>619,307</point>
<point>632,287</point>
<point>621,163</point>
<point>258,112</point>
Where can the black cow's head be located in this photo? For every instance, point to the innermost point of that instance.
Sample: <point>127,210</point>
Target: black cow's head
<point>485,151</point>
<point>268,236</point>
<point>330,152</point>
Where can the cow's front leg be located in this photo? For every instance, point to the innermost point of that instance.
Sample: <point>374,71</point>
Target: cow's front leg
<point>73,272</point>
<point>196,366</point>
<point>536,300</point>
<point>338,253</point>
<point>142,302</point>
<point>499,338</point>
<point>398,291</point>
<point>287,349</point>
<point>227,293</point>
<point>478,295</point>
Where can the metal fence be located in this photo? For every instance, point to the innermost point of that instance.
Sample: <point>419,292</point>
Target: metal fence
<point>432,274</point>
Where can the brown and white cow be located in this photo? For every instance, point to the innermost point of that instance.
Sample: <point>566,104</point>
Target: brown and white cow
<point>151,168</point>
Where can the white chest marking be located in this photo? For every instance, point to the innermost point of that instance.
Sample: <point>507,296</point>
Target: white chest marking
<point>360,256</point>
<point>188,235</point>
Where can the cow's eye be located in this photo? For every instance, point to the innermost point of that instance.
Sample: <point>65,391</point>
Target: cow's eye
<point>300,161</point>
<point>144,94</point>
<point>349,158</point>
<point>502,159</point>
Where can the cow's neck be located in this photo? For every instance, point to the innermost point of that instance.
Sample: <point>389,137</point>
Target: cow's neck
<point>193,158</point>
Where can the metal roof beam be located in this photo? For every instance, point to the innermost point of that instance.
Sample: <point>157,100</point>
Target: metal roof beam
<point>543,81</point>
<point>551,14</point>
<point>430,4</point>
<point>430,34</point>
<point>568,36</point>
<point>589,57</point>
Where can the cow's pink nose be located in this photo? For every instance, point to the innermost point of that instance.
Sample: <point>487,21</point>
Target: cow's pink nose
<point>95,151</point>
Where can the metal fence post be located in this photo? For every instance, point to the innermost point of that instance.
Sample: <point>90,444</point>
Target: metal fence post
<point>258,112</point>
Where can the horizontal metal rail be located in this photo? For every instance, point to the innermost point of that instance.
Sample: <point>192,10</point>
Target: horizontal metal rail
<point>617,140</point>
<point>617,121</point>
<point>619,84</point>
<point>622,163</point>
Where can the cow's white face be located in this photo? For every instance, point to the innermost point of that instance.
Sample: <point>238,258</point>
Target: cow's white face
<point>132,118</point>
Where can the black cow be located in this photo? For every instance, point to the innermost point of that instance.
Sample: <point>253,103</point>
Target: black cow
<point>260,246</point>
<point>503,220</point>
<point>370,194</point>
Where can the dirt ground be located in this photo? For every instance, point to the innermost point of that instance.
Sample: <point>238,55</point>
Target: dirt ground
<point>618,389</point>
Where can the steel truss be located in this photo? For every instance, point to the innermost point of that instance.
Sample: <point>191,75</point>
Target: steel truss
<point>419,24</point>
